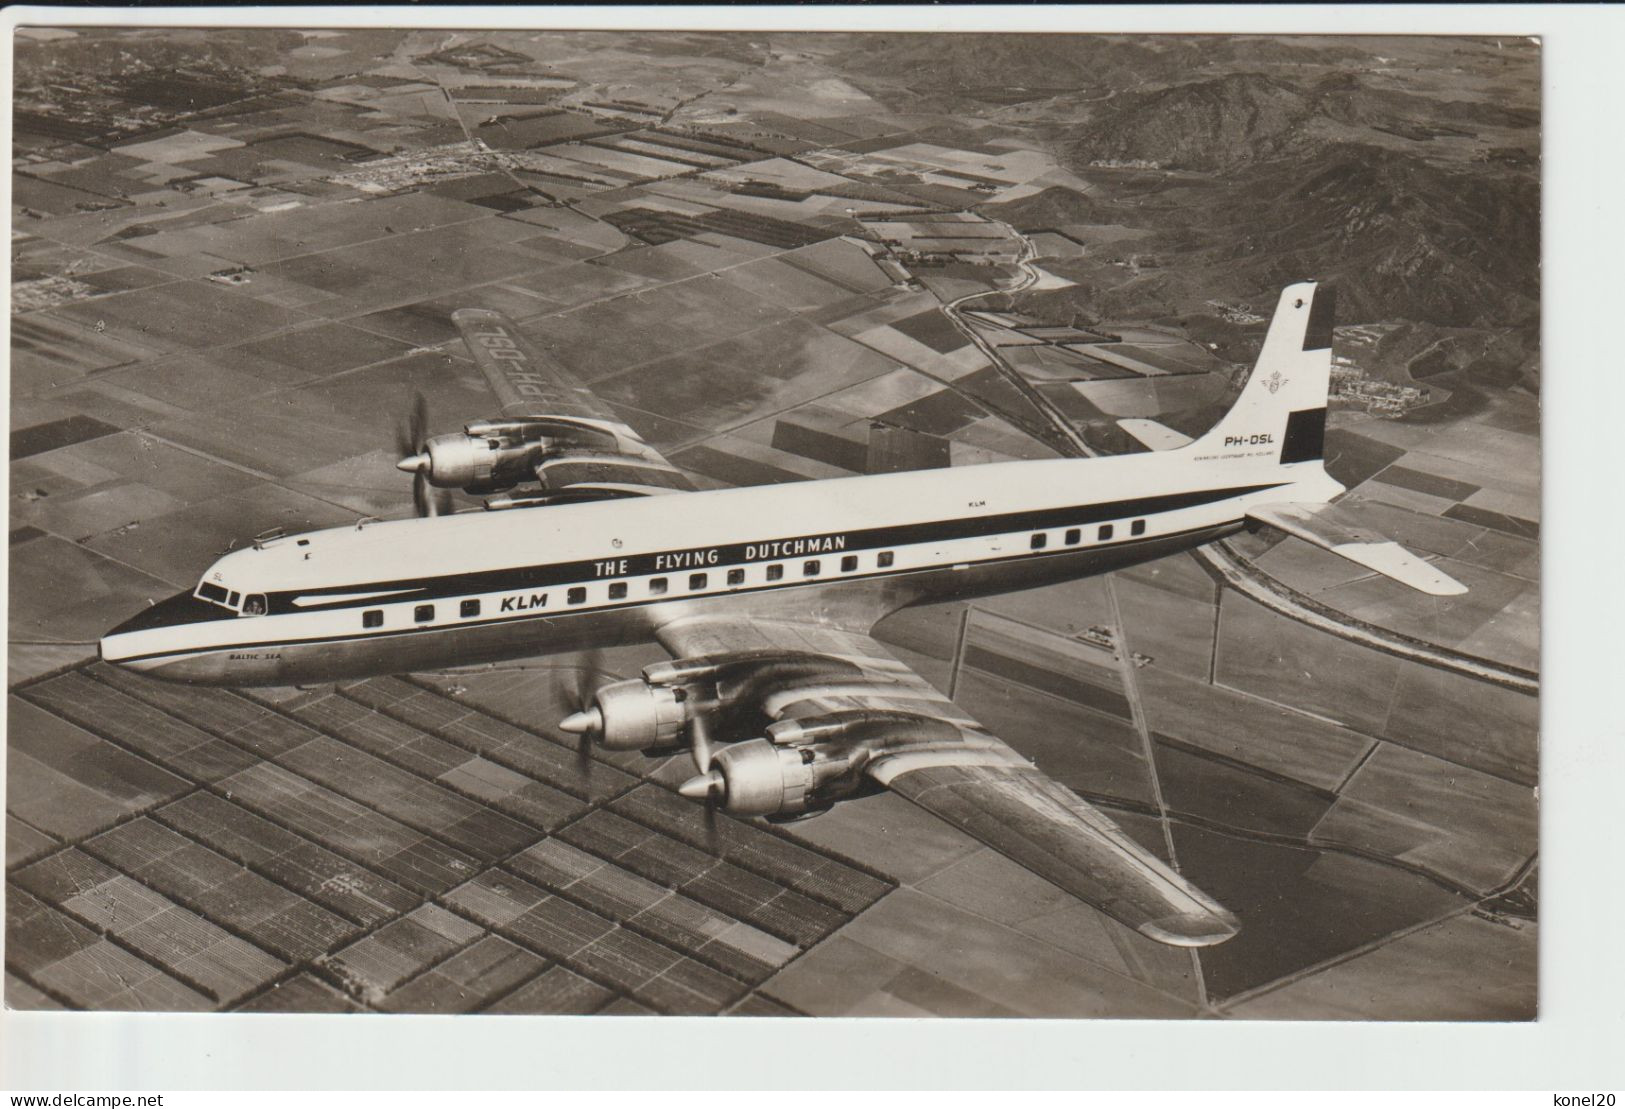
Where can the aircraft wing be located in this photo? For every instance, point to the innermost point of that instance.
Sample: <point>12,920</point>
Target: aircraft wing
<point>599,450</point>
<point>1330,528</point>
<point>924,748</point>
<point>525,382</point>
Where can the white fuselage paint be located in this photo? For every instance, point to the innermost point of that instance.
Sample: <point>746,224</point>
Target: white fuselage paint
<point>636,563</point>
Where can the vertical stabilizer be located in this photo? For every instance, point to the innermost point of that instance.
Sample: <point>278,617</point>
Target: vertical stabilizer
<point>1280,416</point>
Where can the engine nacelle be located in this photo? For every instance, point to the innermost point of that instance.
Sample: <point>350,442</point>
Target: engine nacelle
<point>492,455</point>
<point>758,778</point>
<point>463,462</point>
<point>635,716</point>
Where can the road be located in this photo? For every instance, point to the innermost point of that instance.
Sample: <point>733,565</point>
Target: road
<point>1029,276</point>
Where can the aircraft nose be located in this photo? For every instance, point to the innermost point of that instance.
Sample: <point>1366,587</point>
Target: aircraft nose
<point>139,634</point>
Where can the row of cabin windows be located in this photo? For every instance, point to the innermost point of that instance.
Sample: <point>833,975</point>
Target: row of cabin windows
<point>1074,536</point>
<point>423,614</point>
<point>577,594</point>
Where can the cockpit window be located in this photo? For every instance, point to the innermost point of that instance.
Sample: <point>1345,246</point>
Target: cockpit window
<point>212,592</point>
<point>254,605</point>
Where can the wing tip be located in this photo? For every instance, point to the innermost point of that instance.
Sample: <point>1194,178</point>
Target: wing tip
<point>1202,929</point>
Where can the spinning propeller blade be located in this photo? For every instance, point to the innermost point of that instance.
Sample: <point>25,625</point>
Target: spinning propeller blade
<point>411,438</point>
<point>699,731</point>
<point>584,721</point>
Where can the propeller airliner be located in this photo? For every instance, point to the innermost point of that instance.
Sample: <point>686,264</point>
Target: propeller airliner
<point>765,597</point>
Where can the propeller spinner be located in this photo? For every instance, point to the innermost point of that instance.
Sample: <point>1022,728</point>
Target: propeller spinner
<point>410,442</point>
<point>584,721</point>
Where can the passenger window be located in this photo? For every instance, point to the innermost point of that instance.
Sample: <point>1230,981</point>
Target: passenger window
<point>1138,528</point>
<point>657,586</point>
<point>254,605</point>
<point>469,608</point>
<point>577,594</point>
<point>423,613</point>
<point>849,563</point>
<point>883,559</point>
<point>1074,535</point>
<point>1039,540</point>
<point>697,581</point>
<point>775,572</point>
<point>736,577</point>
<point>810,568</point>
<point>617,590</point>
<point>1105,532</point>
<point>372,618</point>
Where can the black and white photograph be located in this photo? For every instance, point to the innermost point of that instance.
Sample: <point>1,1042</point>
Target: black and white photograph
<point>774,523</point>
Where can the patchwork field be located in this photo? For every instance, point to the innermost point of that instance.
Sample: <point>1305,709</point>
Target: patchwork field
<point>221,319</point>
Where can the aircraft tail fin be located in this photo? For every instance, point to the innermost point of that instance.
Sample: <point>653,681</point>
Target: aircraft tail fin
<point>1280,416</point>
<point>1279,423</point>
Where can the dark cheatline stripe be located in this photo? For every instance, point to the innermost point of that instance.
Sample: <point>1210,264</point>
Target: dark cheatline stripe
<point>1305,438</point>
<point>1322,318</point>
<point>766,549</point>
<point>1210,531</point>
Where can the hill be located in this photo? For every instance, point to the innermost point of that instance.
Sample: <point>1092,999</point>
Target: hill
<point>1406,239</point>
<point>1235,120</point>
<point>1204,125</point>
<point>954,65</point>
<point>1446,246</point>
<point>1052,207</point>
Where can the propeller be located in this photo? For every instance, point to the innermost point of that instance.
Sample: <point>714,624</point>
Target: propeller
<point>713,833</point>
<point>708,787</point>
<point>709,784</point>
<point>584,719</point>
<point>699,732</point>
<point>409,436</point>
<point>411,440</point>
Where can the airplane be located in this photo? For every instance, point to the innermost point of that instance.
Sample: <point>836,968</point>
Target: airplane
<point>765,597</point>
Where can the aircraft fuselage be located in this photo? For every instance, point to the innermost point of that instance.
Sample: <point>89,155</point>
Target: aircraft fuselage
<point>423,594</point>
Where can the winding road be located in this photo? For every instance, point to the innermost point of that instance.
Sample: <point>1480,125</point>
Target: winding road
<point>1029,277</point>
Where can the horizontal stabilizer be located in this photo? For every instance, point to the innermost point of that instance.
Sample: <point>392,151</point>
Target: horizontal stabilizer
<point>1159,437</point>
<point>1332,529</point>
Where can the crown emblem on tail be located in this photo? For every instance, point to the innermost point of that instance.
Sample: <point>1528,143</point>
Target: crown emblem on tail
<point>1274,382</point>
